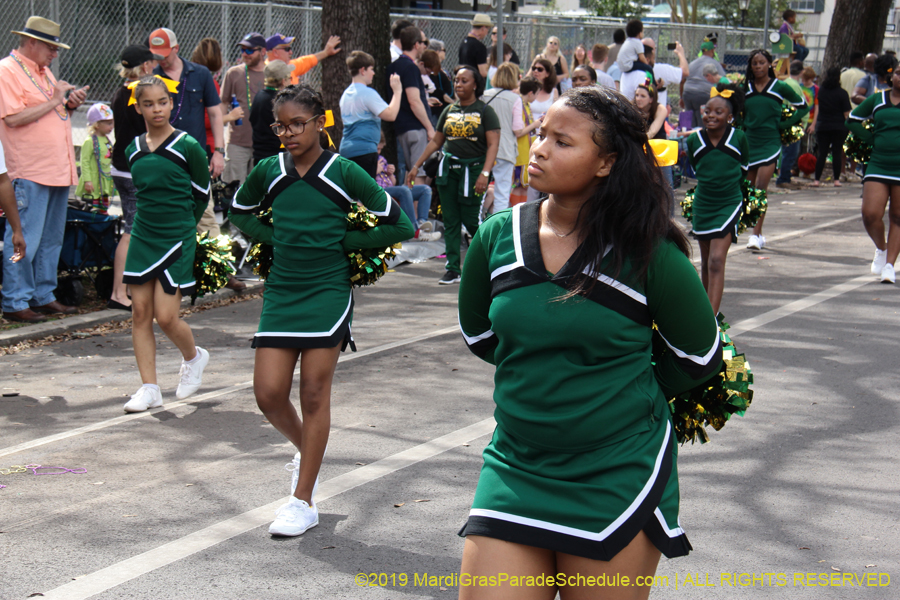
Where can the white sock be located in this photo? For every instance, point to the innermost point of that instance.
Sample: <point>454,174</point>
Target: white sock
<point>193,360</point>
<point>152,386</point>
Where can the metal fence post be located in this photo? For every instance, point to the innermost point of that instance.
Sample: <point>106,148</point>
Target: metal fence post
<point>127,24</point>
<point>268,16</point>
<point>171,14</point>
<point>225,24</point>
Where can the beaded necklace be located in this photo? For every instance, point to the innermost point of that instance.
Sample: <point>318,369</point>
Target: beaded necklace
<point>247,76</point>
<point>64,115</point>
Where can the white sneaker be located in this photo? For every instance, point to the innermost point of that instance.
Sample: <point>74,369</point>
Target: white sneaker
<point>887,274</point>
<point>426,226</point>
<point>754,243</point>
<point>143,399</point>
<point>192,375</point>
<point>879,261</point>
<point>428,236</point>
<point>294,518</point>
<point>762,242</point>
<point>294,468</point>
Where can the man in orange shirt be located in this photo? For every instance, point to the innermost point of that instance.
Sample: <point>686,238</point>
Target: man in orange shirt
<point>36,132</point>
<point>279,48</point>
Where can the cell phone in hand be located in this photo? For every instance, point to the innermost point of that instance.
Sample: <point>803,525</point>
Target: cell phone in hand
<point>672,45</point>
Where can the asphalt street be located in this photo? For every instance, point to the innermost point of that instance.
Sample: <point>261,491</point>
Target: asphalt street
<point>798,499</point>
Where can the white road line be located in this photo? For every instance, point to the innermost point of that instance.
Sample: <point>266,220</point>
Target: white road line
<point>126,570</point>
<point>795,233</point>
<point>801,304</point>
<point>215,394</point>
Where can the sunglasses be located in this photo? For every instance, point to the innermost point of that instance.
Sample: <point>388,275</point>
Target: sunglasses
<point>249,51</point>
<point>285,48</point>
<point>538,69</point>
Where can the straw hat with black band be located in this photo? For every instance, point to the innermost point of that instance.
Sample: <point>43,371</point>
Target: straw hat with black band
<point>44,30</point>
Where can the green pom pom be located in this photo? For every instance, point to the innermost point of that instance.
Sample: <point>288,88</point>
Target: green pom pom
<point>687,205</point>
<point>367,265</point>
<point>212,264</point>
<point>753,205</point>
<point>857,150</point>
<point>791,134</point>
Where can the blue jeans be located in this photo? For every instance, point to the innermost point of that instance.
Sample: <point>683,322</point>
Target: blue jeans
<point>789,155</point>
<point>800,52</point>
<point>405,198</point>
<point>31,281</point>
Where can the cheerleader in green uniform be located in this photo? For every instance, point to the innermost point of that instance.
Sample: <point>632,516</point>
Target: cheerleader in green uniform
<point>765,97</point>
<point>562,296</point>
<point>171,175</point>
<point>881,183</point>
<point>719,156</point>
<point>308,303</point>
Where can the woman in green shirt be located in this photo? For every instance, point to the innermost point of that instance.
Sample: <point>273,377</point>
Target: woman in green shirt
<point>562,295</point>
<point>468,131</point>
<point>881,183</point>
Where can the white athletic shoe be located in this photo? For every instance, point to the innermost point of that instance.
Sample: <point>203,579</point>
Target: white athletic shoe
<point>294,468</point>
<point>879,261</point>
<point>192,375</point>
<point>753,243</point>
<point>294,518</point>
<point>887,274</point>
<point>143,399</point>
<point>428,236</point>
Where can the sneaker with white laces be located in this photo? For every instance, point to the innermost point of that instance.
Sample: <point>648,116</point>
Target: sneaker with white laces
<point>426,226</point>
<point>753,243</point>
<point>294,518</point>
<point>887,273</point>
<point>143,399</point>
<point>879,261</point>
<point>192,375</point>
<point>762,241</point>
<point>294,468</point>
<point>448,278</point>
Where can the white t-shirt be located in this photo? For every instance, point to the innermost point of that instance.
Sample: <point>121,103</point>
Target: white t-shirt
<point>2,160</point>
<point>628,54</point>
<point>671,76</point>
<point>395,52</point>
<point>605,80</point>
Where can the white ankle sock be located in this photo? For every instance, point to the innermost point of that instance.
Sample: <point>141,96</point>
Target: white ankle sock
<point>193,360</point>
<point>152,386</point>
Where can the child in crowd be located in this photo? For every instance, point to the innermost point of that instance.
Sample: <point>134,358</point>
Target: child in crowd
<point>524,125</point>
<point>95,185</point>
<point>308,303</point>
<point>170,172</point>
<point>415,201</point>
<point>719,154</point>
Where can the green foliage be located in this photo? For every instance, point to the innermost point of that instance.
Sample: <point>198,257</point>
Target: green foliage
<point>729,13</point>
<point>622,9</point>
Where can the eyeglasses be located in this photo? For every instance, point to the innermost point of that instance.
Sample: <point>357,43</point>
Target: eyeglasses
<point>538,69</point>
<point>295,127</point>
<point>249,51</point>
<point>285,48</point>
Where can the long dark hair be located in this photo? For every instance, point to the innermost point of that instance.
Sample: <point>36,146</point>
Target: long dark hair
<point>550,81</point>
<point>629,209</point>
<point>650,112</point>
<point>749,74</point>
<point>832,78</point>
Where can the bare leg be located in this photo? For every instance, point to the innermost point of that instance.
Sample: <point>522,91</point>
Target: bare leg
<point>316,374</point>
<point>488,557</point>
<point>272,375</point>
<point>718,252</point>
<point>763,177</point>
<point>893,241</point>
<point>166,308</point>
<point>120,290</point>
<point>638,559</point>
<point>142,337</point>
<point>704,263</point>
<point>875,198</point>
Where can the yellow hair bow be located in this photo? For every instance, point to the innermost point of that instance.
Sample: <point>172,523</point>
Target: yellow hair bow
<point>329,121</point>
<point>171,85</point>
<point>724,93</point>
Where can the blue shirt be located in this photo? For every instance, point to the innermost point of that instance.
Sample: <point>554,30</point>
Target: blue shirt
<point>615,72</point>
<point>360,107</point>
<point>410,77</point>
<point>196,92</point>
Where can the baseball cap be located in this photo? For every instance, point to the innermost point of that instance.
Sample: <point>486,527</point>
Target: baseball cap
<point>253,40</point>
<point>135,55</point>
<point>277,69</point>
<point>99,112</point>
<point>278,40</point>
<point>162,41</point>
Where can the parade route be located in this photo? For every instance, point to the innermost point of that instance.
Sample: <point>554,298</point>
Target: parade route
<point>174,502</point>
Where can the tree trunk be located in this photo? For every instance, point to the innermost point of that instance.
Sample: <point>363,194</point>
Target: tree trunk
<point>855,25</point>
<point>361,25</point>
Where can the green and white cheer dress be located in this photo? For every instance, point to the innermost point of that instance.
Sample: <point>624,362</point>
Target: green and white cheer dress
<point>172,185</point>
<point>884,165</point>
<point>584,455</point>
<point>762,119</point>
<point>720,169</point>
<point>308,300</point>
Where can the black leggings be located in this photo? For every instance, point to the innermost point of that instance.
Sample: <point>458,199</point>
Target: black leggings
<point>830,141</point>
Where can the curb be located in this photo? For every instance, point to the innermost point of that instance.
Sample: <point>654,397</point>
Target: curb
<point>108,315</point>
